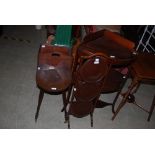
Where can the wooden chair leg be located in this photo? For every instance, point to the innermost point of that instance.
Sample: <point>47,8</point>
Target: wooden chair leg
<point>41,95</point>
<point>119,92</point>
<point>114,102</point>
<point>64,105</point>
<point>137,87</point>
<point>91,119</point>
<point>119,108</point>
<point>151,109</point>
<point>65,102</point>
<point>68,118</point>
<point>66,98</point>
<point>123,102</point>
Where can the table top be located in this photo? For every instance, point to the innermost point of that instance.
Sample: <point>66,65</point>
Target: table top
<point>144,66</point>
<point>112,45</point>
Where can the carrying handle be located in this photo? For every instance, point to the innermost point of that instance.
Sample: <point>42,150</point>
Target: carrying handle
<point>56,54</point>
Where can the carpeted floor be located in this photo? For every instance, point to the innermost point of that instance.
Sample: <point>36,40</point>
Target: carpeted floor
<point>18,92</point>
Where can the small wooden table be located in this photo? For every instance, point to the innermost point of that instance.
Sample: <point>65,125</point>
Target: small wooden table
<point>142,71</point>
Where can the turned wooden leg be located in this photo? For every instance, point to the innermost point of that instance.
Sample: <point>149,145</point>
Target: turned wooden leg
<point>64,105</point>
<point>151,109</point>
<point>137,87</point>
<point>91,119</point>
<point>114,102</point>
<point>66,98</point>
<point>119,92</point>
<point>64,101</point>
<point>118,109</point>
<point>68,119</point>
<point>123,102</point>
<point>41,95</point>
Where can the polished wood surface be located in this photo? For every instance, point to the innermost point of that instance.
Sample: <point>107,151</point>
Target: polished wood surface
<point>144,66</point>
<point>118,51</point>
<point>88,81</point>
<point>54,68</point>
